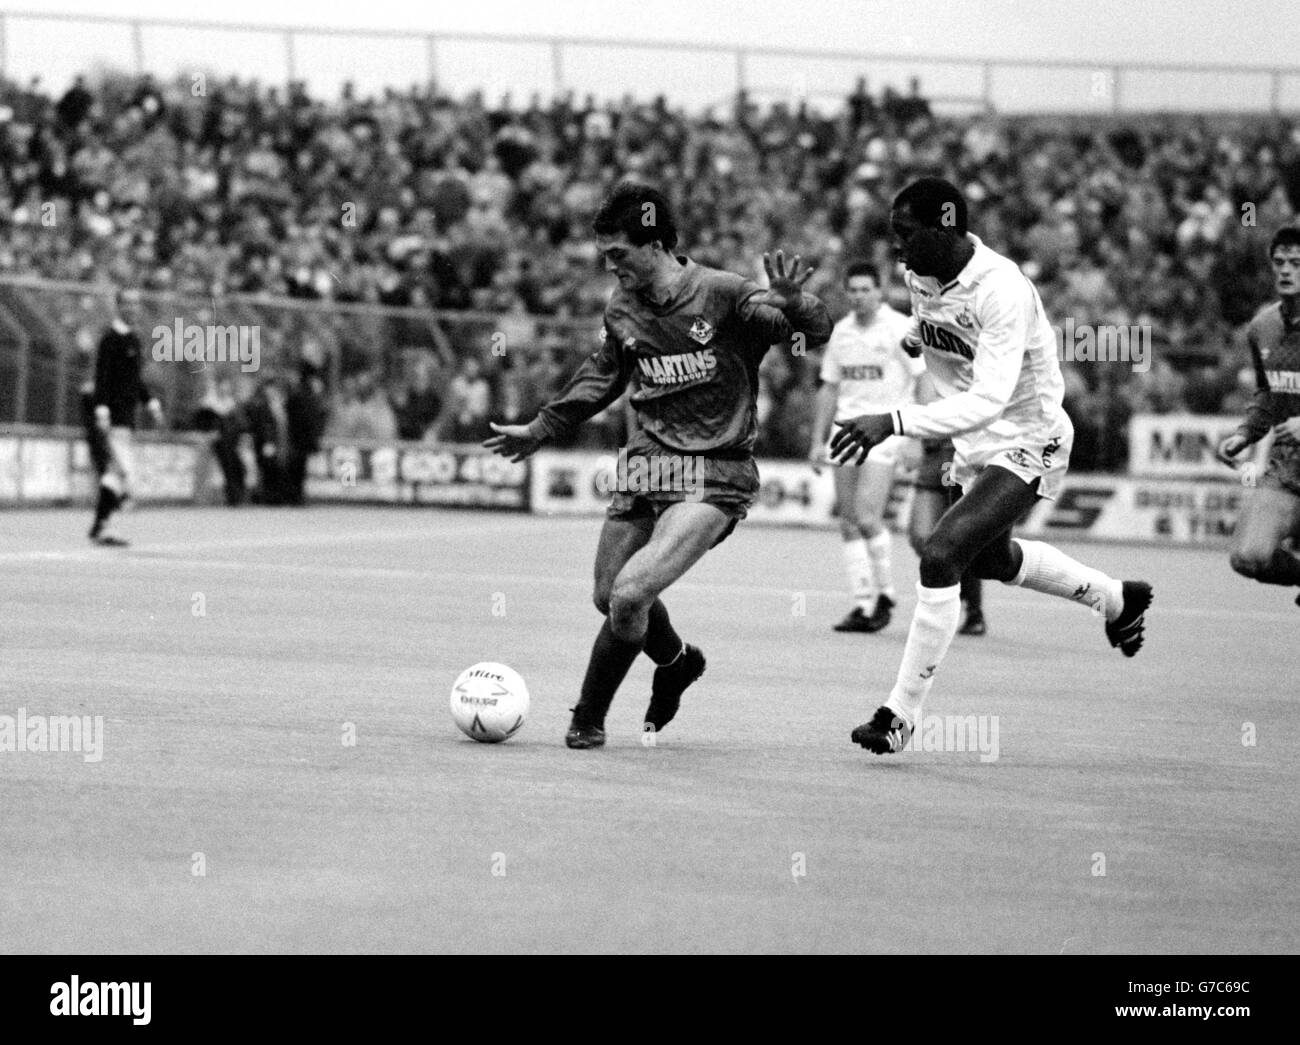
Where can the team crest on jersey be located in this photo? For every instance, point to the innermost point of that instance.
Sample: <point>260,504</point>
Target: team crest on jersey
<point>701,331</point>
<point>629,342</point>
<point>964,319</point>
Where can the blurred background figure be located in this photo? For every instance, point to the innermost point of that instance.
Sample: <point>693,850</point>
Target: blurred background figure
<point>268,424</point>
<point>466,418</point>
<point>221,414</point>
<point>417,401</point>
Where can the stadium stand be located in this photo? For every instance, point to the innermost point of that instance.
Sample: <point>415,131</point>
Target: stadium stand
<point>475,219</point>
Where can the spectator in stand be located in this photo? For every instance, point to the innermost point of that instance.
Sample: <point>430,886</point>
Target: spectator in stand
<point>363,412</point>
<point>466,417</point>
<point>1117,219</point>
<point>417,403</point>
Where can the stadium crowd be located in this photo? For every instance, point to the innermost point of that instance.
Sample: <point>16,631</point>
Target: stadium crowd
<point>416,199</point>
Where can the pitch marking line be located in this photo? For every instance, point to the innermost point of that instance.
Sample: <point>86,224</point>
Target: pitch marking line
<point>395,573</point>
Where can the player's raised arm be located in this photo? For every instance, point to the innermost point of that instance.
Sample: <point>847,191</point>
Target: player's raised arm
<point>784,308</point>
<point>597,382</point>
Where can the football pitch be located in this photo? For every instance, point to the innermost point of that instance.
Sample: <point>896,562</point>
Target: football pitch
<point>280,773</point>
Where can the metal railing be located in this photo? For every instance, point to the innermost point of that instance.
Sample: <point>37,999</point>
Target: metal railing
<point>49,331</point>
<point>466,61</point>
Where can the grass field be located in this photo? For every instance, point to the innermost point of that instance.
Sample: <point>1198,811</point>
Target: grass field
<point>224,736</point>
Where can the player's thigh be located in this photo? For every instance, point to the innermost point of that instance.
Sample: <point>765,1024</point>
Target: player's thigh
<point>682,534</point>
<point>620,539</point>
<point>985,512</point>
<point>1268,516</point>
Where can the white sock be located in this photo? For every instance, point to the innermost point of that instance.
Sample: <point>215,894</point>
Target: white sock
<point>878,549</point>
<point>934,623</point>
<point>859,571</point>
<point>1053,572</point>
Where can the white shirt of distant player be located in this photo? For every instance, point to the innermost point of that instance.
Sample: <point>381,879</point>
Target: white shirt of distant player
<point>869,365</point>
<point>991,353</point>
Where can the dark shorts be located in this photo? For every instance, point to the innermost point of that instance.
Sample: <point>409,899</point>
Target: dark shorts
<point>1283,469</point>
<point>730,486</point>
<point>935,454</point>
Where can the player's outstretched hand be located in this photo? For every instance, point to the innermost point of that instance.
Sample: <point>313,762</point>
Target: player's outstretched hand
<point>512,441</point>
<point>858,435</point>
<point>1288,431</point>
<point>785,286</point>
<point>1229,448</point>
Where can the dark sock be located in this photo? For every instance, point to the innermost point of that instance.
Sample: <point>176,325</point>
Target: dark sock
<point>662,644</point>
<point>972,593</point>
<point>1283,568</point>
<point>611,658</point>
<point>104,507</point>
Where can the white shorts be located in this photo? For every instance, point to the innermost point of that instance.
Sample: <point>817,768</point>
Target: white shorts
<point>1042,457</point>
<point>889,452</point>
<point>121,462</point>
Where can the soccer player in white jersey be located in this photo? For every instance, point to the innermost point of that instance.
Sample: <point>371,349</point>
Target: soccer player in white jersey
<point>992,356</point>
<point>865,371</point>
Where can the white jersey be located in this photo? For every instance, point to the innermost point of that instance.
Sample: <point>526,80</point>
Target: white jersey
<point>992,356</point>
<point>869,365</point>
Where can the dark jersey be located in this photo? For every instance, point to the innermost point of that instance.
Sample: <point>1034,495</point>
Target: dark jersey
<point>1274,341</point>
<point>690,364</point>
<point>118,384</point>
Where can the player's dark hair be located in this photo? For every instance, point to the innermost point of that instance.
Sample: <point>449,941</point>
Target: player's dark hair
<point>639,211</point>
<point>1287,236</point>
<point>862,268</point>
<point>935,203</point>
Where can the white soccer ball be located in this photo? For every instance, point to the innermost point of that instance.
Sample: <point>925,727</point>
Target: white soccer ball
<point>489,702</point>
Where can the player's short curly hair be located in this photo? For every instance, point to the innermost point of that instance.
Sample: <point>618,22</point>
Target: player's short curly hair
<point>935,203</point>
<point>639,211</point>
<point>862,268</point>
<point>1287,236</point>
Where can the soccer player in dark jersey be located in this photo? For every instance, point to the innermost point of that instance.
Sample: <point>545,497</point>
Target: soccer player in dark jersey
<point>991,354</point>
<point>1271,516</point>
<point>686,341</point>
<point>119,390</point>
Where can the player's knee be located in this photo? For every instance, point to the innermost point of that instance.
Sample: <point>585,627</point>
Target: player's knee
<point>600,599</point>
<point>940,565</point>
<point>993,565</point>
<point>626,600</point>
